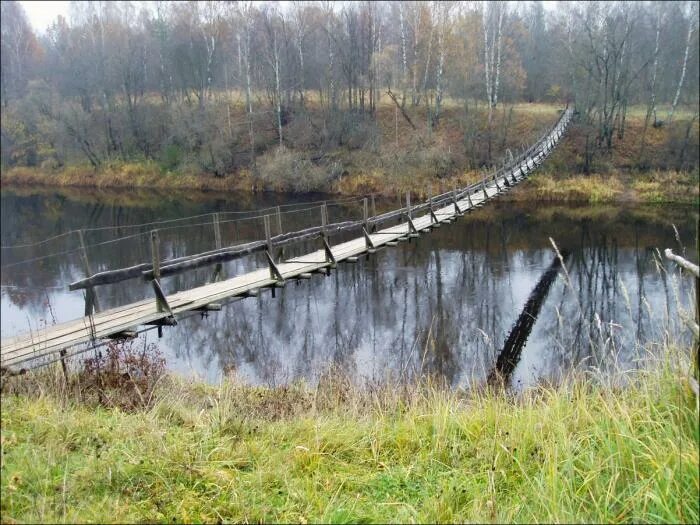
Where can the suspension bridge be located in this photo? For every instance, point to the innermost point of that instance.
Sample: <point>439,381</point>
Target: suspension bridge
<point>59,341</point>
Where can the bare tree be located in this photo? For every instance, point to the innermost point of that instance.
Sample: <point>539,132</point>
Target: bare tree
<point>300,34</point>
<point>692,23</point>
<point>272,26</point>
<point>492,17</point>
<point>443,31</point>
<point>403,53</point>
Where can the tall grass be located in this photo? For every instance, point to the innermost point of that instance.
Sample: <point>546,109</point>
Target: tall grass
<point>336,453</point>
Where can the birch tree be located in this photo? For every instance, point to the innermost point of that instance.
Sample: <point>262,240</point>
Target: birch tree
<point>651,106</point>
<point>273,58</point>
<point>692,9</point>
<point>246,17</point>
<point>414,67</point>
<point>404,67</point>
<point>424,91</point>
<point>300,34</point>
<point>443,18</point>
<point>492,15</point>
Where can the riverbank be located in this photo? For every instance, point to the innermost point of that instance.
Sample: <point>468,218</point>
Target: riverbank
<point>649,188</point>
<point>577,452</point>
<point>647,164</point>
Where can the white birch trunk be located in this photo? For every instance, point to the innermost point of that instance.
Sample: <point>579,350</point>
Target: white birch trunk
<point>248,89</point>
<point>249,98</point>
<point>441,62</point>
<point>427,63</point>
<point>498,51</point>
<point>654,69</point>
<point>240,61</point>
<point>403,43</point>
<point>685,64</point>
<point>275,50</point>
<point>487,60</point>
<point>331,83</point>
<point>416,32</point>
<point>300,40</point>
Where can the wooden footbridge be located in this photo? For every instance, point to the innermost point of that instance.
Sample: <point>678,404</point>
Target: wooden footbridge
<point>55,342</point>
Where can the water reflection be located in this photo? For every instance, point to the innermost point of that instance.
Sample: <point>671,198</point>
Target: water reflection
<point>442,305</point>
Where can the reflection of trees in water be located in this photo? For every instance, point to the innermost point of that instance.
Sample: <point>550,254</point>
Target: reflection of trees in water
<point>463,284</point>
<point>371,319</point>
<point>620,304</point>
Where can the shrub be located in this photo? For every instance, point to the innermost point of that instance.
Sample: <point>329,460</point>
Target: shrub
<point>122,376</point>
<point>287,170</point>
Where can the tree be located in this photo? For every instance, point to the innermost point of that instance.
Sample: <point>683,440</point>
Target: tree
<point>692,24</point>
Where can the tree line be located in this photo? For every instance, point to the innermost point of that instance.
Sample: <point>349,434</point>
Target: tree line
<point>217,83</point>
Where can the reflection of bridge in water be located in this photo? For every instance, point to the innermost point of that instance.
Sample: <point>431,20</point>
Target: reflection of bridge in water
<point>54,342</point>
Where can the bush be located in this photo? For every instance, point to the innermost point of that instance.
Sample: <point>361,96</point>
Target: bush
<point>286,170</point>
<point>123,376</point>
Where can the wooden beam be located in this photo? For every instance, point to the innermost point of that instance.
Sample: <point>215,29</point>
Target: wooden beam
<point>403,112</point>
<point>683,263</point>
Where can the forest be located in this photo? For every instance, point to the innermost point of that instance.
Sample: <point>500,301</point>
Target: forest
<point>299,95</point>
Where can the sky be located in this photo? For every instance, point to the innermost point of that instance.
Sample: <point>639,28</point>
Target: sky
<point>42,13</point>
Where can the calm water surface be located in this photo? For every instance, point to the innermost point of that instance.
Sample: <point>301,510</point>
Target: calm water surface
<point>444,304</point>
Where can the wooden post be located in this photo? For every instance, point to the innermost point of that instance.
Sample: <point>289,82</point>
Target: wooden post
<point>280,255</point>
<point>155,255</point>
<point>217,230</point>
<point>412,231</point>
<point>274,272</point>
<point>279,220</point>
<point>365,212</point>
<point>64,366</point>
<point>218,269</point>
<point>268,237</point>
<point>324,218</point>
<point>326,247</point>
<point>91,303</point>
<point>374,207</point>
<point>454,201</point>
<point>161,301</point>
<point>430,204</point>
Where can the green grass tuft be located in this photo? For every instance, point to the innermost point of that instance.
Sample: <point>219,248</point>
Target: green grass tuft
<point>577,453</point>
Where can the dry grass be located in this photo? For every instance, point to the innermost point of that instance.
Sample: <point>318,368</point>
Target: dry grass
<point>651,187</point>
<point>337,453</point>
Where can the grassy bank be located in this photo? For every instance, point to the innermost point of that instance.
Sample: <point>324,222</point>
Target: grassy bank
<point>645,165</point>
<point>334,453</point>
<point>648,188</point>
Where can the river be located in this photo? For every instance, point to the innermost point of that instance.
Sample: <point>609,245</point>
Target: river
<point>443,304</point>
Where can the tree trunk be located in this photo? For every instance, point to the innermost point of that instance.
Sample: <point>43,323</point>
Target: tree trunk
<point>498,59</point>
<point>403,54</point>
<point>685,64</point>
<point>277,88</point>
<point>441,65</point>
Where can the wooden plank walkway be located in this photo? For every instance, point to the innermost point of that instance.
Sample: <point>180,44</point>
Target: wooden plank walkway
<point>49,342</point>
